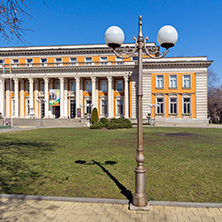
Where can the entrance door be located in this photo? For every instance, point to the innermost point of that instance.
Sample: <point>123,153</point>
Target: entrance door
<point>57,112</point>
<point>72,109</point>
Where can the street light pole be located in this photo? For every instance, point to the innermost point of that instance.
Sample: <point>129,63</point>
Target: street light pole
<point>114,37</point>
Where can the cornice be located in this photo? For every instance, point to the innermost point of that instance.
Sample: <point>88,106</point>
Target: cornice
<point>177,64</point>
<point>70,69</point>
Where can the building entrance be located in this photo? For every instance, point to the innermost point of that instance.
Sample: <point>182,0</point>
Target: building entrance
<point>72,109</point>
<point>57,112</point>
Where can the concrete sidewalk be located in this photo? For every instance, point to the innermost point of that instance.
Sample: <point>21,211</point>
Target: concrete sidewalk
<point>13,210</point>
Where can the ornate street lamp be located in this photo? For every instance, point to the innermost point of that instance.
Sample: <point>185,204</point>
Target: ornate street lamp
<point>167,38</point>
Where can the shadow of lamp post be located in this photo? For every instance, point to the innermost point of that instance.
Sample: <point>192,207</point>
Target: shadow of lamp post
<point>41,101</point>
<point>167,38</point>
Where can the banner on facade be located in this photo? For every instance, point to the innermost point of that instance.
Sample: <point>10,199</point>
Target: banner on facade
<point>54,99</point>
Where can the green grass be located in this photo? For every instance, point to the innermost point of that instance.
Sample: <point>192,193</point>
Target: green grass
<point>183,164</point>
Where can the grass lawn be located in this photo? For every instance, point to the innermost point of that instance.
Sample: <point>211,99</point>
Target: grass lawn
<point>183,164</point>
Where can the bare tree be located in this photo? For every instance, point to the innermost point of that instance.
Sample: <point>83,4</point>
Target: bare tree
<point>12,15</point>
<point>214,97</point>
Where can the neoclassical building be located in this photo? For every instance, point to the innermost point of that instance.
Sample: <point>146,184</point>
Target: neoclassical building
<point>66,82</point>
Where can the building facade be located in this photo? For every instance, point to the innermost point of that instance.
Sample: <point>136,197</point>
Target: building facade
<point>80,77</point>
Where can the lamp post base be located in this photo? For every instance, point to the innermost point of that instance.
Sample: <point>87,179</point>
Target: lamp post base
<point>135,208</point>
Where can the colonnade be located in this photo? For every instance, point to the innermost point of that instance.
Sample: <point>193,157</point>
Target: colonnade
<point>15,86</point>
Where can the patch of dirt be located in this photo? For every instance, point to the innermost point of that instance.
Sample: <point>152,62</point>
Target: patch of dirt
<point>190,135</point>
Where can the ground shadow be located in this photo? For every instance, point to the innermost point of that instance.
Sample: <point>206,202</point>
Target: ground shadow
<point>123,190</point>
<point>19,160</point>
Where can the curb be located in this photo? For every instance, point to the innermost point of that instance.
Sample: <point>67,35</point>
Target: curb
<point>110,201</point>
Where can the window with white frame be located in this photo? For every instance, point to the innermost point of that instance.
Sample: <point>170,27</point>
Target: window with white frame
<point>159,105</point>
<point>103,60</point>
<point>73,86</point>
<point>173,105</point>
<point>2,62</point>
<point>27,106</point>
<point>172,81</point>
<point>88,60</point>
<point>159,81</point>
<point>29,62</point>
<point>119,85</point>
<point>187,105</point>
<point>15,62</point>
<point>42,86</point>
<point>88,107</point>
<point>43,61</point>
<point>88,85</point>
<point>186,81</point>
<point>103,85</point>
<point>58,61</point>
<point>119,110</point>
<point>13,107</point>
<point>57,84</point>
<point>119,61</point>
<point>27,86</point>
<point>73,60</point>
<point>104,107</point>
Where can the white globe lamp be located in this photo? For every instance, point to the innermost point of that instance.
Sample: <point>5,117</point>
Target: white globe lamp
<point>114,37</point>
<point>167,36</point>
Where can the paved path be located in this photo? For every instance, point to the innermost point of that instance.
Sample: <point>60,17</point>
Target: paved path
<point>14,210</point>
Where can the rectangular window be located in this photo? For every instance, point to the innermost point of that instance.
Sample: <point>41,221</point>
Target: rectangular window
<point>173,81</point>
<point>57,85</point>
<point>58,61</point>
<point>120,107</point>
<point>2,62</point>
<point>43,61</point>
<point>43,86</point>
<point>103,60</point>
<point>173,105</point>
<point>186,81</point>
<point>103,85</point>
<point>88,60</point>
<point>73,61</point>
<point>15,62</point>
<point>119,61</point>
<point>73,86</point>
<point>88,106</point>
<point>88,86</point>
<point>159,108</point>
<point>27,86</point>
<point>134,58</point>
<point>104,107</point>
<point>27,107</point>
<point>159,81</point>
<point>29,62</point>
<point>119,85</point>
<point>186,106</point>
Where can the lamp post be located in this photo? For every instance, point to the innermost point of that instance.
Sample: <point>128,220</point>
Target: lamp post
<point>167,38</point>
<point>41,101</point>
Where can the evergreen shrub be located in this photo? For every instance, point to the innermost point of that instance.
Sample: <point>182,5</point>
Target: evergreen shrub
<point>97,125</point>
<point>94,118</point>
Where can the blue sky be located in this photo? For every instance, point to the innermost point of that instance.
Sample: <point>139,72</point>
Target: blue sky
<point>199,24</point>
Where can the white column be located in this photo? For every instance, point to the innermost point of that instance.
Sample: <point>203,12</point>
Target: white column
<point>50,107</point>
<point>31,92</point>
<point>93,91</point>
<point>77,93</point>
<point>65,98</point>
<point>8,99</point>
<point>61,97</point>
<point>2,92</point>
<point>126,96</point>
<point>46,97</point>
<point>16,97</point>
<point>36,97</point>
<point>22,105</point>
<point>110,111</point>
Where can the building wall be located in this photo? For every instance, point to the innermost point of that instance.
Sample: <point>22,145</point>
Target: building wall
<point>21,84</point>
